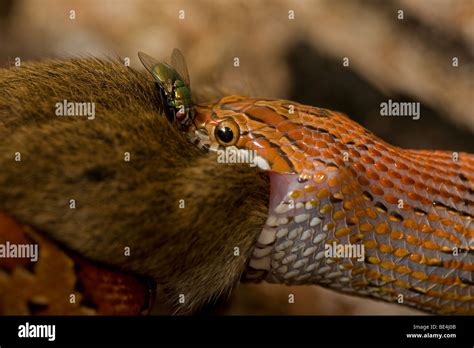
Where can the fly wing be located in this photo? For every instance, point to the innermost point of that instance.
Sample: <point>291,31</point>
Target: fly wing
<point>148,61</point>
<point>161,72</point>
<point>179,64</point>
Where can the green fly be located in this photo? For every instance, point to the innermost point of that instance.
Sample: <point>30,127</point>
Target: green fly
<point>173,84</point>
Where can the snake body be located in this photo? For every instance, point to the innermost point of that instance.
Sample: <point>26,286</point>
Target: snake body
<point>349,211</point>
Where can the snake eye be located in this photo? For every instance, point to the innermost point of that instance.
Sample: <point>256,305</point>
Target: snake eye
<point>227,133</point>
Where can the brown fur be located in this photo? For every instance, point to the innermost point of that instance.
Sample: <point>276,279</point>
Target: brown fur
<point>136,204</point>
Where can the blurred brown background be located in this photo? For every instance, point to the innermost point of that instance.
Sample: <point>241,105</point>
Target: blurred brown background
<point>286,49</point>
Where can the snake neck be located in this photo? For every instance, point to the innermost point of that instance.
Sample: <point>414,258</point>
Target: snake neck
<point>345,230</point>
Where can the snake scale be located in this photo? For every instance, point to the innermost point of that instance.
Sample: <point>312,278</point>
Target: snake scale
<point>398,222</point>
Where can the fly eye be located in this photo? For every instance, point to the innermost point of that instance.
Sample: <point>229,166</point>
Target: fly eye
<point>227,133</point>
<point>181,113</point>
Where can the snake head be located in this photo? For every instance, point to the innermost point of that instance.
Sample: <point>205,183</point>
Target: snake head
<point>224,127</point>
<point>258,126</point>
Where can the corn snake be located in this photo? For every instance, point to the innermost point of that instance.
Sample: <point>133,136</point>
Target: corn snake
<point>334,183</point>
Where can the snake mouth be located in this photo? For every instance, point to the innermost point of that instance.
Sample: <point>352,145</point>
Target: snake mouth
<point>196,129</point>
<point>199,137</point>
<point>202,139</point>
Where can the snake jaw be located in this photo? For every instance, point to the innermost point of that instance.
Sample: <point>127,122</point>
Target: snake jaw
<point>201,139</point>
